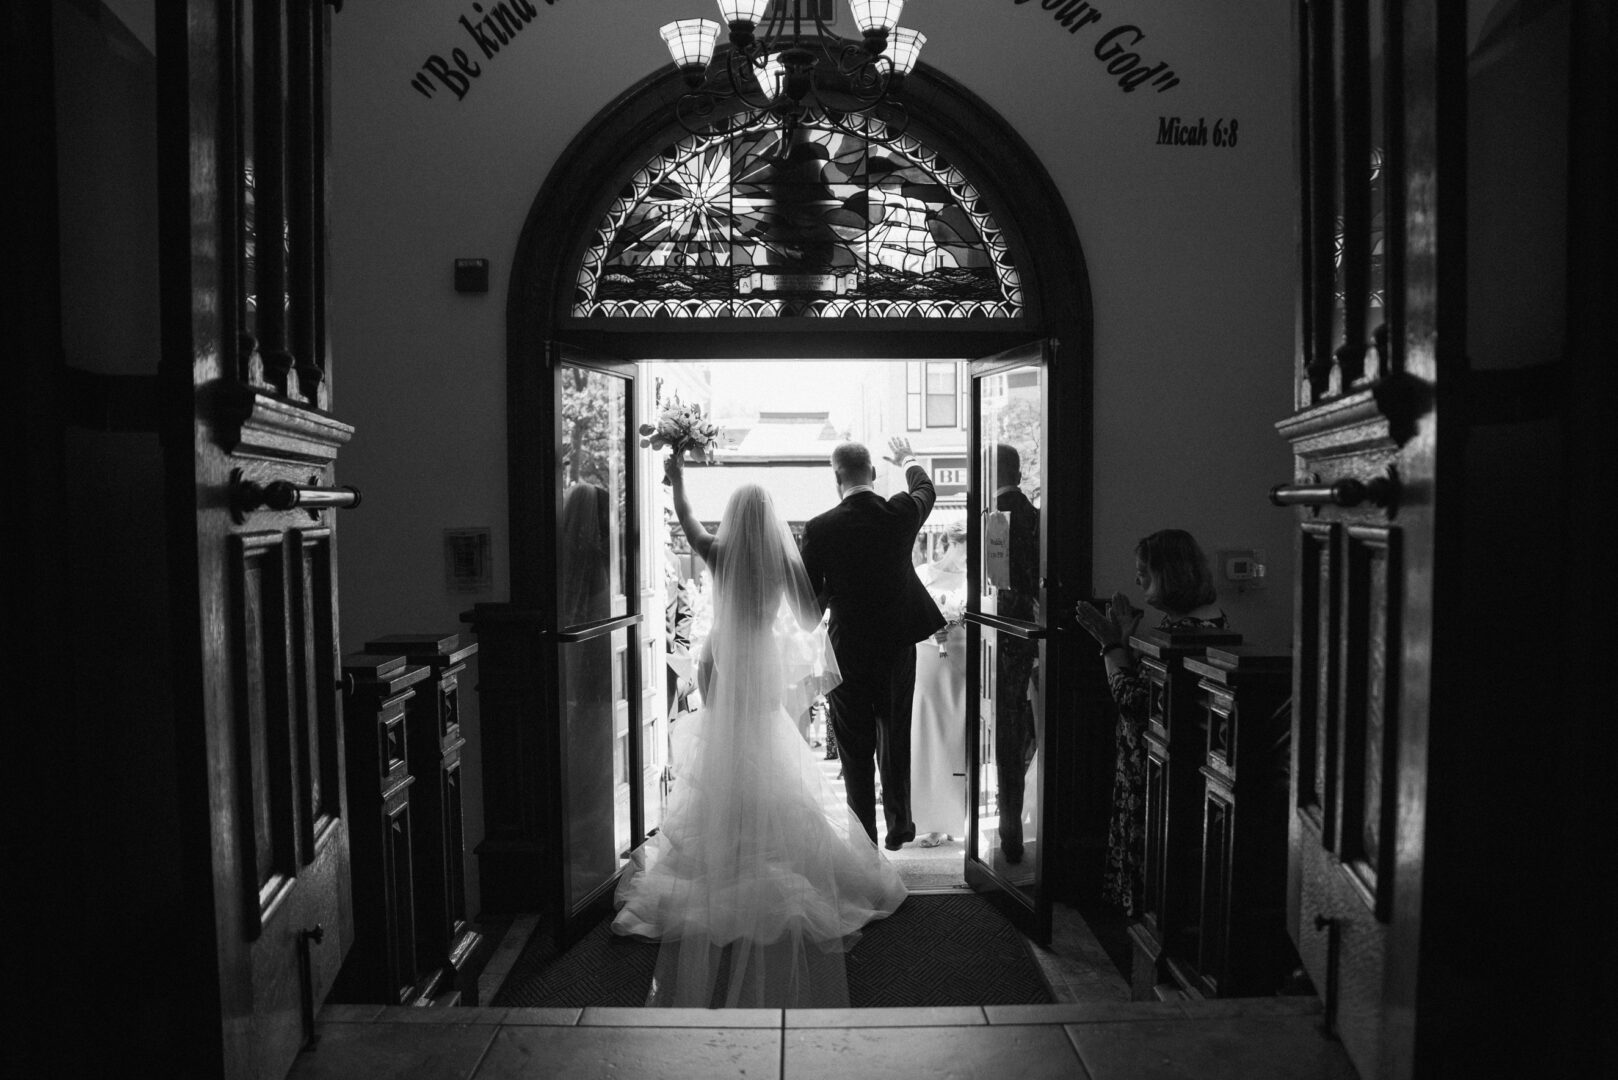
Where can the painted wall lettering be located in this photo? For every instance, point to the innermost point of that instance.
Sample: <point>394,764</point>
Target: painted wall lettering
<point>1119,48</point>
<point>491,25</point>
<point>1172,131</point>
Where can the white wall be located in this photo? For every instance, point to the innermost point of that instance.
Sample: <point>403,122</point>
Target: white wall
<point>1189,249</point>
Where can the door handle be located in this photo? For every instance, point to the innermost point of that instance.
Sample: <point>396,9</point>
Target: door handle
<point>1378,491</point>
<point>249,495</point>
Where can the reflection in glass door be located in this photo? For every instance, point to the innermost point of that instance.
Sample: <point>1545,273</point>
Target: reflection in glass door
<point>597,627</point>
<point>1007,699</point>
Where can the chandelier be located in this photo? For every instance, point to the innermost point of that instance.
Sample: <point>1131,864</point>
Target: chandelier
<point>796,74</point>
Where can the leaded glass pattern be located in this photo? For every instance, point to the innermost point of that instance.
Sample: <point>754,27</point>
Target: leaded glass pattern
<point>744,220</point>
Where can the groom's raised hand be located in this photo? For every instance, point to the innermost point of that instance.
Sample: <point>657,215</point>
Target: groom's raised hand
<point>900,451</point>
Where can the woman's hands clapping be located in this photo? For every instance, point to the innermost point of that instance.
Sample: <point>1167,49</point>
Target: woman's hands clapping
<point>1115,626</point>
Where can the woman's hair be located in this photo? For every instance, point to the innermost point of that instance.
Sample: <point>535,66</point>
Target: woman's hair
<point>1185,582</point>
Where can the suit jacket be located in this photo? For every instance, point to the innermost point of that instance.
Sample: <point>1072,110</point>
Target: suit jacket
<point>857,555</point>
<point>1019,601</point>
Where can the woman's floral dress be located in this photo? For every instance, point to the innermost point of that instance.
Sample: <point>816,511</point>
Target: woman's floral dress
<point>1125,878</point>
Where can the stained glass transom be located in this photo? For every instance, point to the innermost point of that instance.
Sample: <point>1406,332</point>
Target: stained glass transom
<point>744,221</point>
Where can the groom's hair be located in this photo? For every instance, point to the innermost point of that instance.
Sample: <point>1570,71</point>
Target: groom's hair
<point>1008,467</point>
<point>851,461</point>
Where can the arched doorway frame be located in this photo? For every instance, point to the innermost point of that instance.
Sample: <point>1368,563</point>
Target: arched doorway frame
<point>1018,191</point>
<point>945,116</point>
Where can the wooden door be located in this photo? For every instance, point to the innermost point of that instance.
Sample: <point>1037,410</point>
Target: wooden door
<point>1363,437</point>
<point>1452,234</point>
<point>185,734</point>
<point>252,497</point>
<point>1011,776</point>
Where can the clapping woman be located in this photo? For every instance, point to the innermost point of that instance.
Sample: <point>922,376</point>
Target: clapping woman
<point>1173,573</point>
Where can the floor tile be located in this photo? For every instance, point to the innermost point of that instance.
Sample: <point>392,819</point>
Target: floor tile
<point>628,1016</point>
<point>1290,1005</point>
<point>425,1014</point>
<point>1232,1048</point>
<point>542,1017</point>
<point>600,1053</point>
<point>394,1051</point>
<point>933,1016</point>
<point>1005,1053</point>
<point>350,1013</point>
<point>1090,1012</point>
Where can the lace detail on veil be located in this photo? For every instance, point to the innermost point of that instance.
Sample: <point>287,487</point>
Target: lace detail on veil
<point>759,878</point>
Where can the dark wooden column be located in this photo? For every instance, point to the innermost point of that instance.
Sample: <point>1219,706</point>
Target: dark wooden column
<point>445,936</point>
<point>383,965</point>
<point>517,859</point>
<point>1175,745</point>
<point>1242,947</point>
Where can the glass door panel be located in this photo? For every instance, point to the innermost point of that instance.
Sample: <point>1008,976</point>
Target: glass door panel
<point>593,555</point>
<point>599,641</point>
<point>597,799</point>
<point>1006,775</point>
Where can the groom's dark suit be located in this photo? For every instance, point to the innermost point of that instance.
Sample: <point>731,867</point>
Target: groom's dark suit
<point>858,558</point>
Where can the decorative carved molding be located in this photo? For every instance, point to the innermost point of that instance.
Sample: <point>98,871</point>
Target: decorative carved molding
<point>1378,416</point>
<point>256,424</point>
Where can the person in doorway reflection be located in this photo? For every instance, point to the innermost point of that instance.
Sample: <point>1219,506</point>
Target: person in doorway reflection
<point>857,555</point>
<point>585,552</point>
<point>938,718</point>
<point>1016,597</point>
<point>1173,572</point>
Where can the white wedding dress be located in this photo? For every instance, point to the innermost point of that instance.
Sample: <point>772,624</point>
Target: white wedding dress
<point>760,878</point>
<point>938,712</point>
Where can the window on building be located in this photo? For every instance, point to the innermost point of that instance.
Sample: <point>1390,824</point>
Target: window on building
<point>933,395</point>
<point>941,395</point>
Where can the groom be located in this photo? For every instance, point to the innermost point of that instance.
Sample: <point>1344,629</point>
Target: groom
<point>858,558</point>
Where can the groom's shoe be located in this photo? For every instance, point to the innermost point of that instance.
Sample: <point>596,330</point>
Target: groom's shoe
<point>895,841</point>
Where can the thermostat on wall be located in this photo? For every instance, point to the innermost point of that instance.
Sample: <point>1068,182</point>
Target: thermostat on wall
<point>472,275</point>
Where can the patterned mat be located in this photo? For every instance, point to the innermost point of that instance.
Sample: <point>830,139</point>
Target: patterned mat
<point>935,950</point>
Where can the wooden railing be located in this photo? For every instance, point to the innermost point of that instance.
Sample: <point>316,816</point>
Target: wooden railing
<point>1212,919</point>
<point>414,941</point>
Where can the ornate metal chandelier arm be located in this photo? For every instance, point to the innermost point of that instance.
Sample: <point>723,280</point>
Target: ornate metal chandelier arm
<point>739,70</point>
<point>853,58</point>
<point>696,110</point>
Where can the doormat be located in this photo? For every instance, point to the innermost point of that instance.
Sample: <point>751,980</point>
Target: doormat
<point>935,950</point>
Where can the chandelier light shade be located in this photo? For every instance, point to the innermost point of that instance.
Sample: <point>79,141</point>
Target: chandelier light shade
<point>749,11</point>
<point>876,16</point>
<point>769,78</point>
<point>904,47</point>
<point>691,42</point>
<point>786,63</point>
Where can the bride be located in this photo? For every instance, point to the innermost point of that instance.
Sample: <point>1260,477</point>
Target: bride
<point>759,879</point>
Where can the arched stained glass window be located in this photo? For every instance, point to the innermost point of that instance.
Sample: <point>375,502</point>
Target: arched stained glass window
<point>744,220</point>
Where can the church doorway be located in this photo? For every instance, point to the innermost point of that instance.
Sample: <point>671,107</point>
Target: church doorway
<point>898,251</point>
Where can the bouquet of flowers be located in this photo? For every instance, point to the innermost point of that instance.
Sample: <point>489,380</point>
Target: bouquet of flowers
<point>952,605</point>
<point>681,427</point>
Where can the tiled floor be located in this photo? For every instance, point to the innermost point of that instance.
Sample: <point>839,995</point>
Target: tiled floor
<point>1252,1039</point>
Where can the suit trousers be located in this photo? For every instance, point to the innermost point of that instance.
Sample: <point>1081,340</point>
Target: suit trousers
<point>870,714</point>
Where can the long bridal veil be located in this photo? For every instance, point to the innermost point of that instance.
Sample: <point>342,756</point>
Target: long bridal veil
<point>759,878</point>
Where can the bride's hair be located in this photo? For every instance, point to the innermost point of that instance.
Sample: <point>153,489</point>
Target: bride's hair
<point>756,561</point>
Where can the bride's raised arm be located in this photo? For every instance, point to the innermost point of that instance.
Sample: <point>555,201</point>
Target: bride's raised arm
<point>701,539</point>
